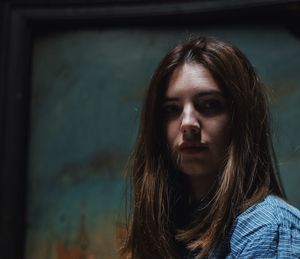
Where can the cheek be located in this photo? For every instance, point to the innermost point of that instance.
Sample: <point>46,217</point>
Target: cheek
<point>219,131</point>
<point>171,132</point>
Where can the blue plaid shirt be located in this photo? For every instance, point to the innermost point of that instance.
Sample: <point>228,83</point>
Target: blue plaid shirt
<point>269,229</point>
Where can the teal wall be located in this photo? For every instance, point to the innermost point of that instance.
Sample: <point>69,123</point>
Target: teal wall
<point>87,88</point>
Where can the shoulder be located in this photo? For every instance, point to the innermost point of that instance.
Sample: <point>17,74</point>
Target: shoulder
<point>271,211</point>
<point>267,228</point>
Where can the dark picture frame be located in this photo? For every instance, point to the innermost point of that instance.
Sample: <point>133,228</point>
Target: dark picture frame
<point>22,20</point>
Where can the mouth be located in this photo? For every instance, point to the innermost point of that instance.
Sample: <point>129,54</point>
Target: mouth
<point>191,148</point>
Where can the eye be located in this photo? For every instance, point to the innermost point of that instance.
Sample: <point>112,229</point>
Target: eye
<point>211,107</point>
<point>171,110</point>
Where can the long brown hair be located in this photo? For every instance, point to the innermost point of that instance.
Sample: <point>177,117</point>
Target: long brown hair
<point>249,174</point>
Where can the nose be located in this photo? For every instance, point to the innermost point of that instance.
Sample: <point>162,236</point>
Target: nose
<point>190,124</point>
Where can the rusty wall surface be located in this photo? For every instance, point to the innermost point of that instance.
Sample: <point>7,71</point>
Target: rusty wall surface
<point>87,89</point>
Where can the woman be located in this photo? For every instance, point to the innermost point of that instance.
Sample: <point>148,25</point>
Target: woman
<point>203,173</point>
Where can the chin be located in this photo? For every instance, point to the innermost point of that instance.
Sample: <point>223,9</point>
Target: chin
<point>195,170</point>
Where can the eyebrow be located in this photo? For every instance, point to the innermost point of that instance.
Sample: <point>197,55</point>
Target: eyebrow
<point>201,94</point>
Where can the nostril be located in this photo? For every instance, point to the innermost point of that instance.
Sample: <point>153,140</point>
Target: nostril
<point>191,131</point>
<point>195,130</point>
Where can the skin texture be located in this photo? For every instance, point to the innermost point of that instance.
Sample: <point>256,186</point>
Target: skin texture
<point>197,125</point>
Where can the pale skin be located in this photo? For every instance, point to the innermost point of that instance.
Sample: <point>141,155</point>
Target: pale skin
<point>197,125</point>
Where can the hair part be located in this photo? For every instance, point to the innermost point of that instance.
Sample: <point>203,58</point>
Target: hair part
<point>250,169</point>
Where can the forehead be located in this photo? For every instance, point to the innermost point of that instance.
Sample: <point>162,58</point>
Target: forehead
<point>189,79</point>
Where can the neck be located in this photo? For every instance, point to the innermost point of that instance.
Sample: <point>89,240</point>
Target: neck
<point>200,186</point>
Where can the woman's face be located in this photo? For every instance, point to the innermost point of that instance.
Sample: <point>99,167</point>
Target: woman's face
<point>196,117</point>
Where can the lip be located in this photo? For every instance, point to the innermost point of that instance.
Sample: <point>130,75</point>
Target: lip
<point>192,148</point>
